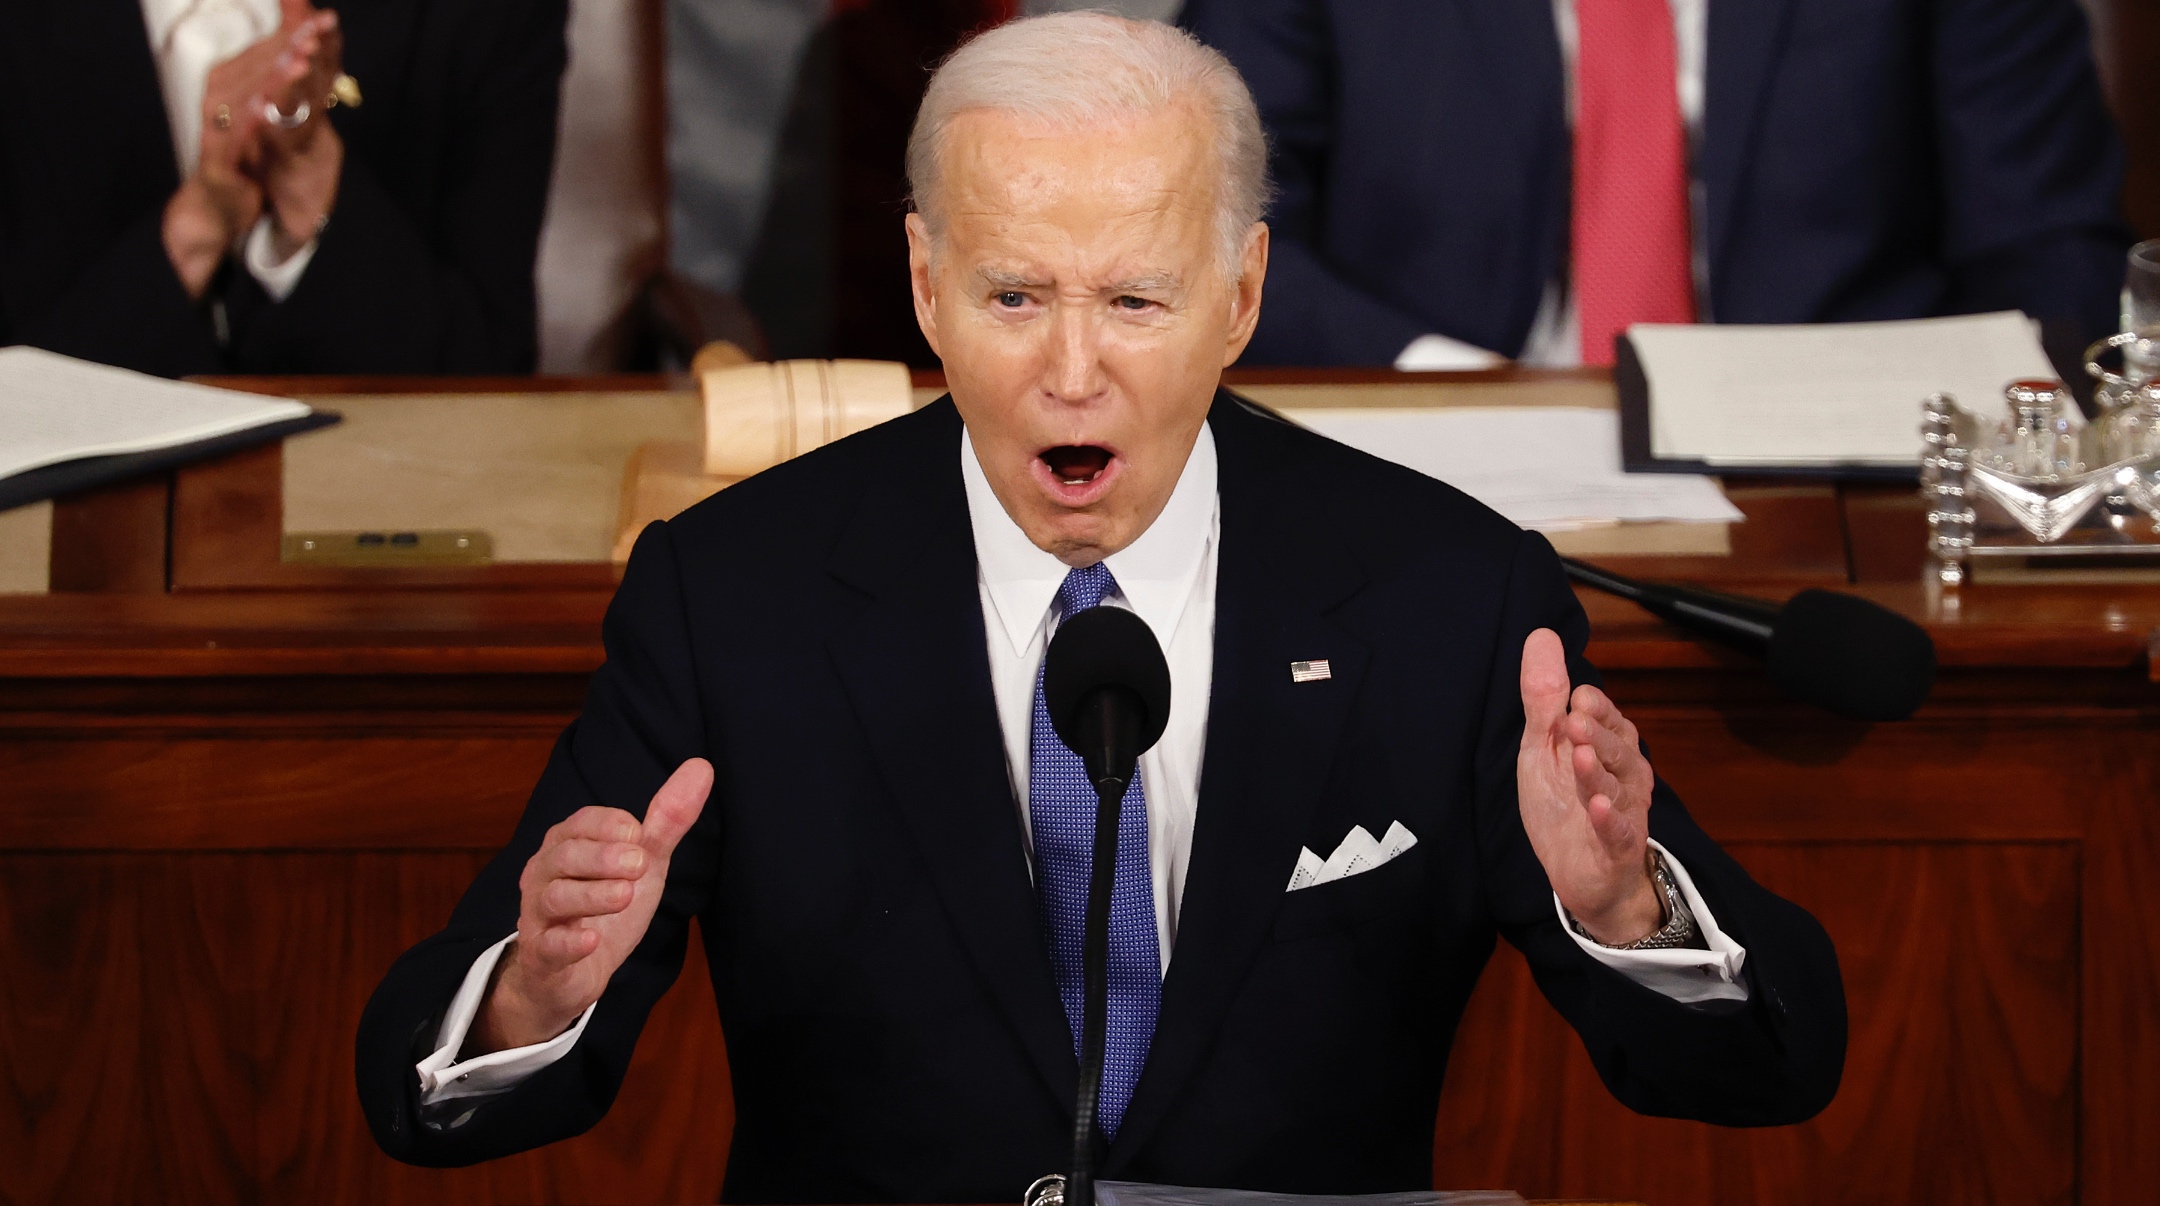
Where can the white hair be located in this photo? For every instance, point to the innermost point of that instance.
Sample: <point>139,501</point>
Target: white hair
<point>1084,70</point>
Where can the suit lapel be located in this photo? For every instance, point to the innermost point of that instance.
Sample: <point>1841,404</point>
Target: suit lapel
<point>1270,744</point>
<point>1744,42</point>
<point>918,676</point>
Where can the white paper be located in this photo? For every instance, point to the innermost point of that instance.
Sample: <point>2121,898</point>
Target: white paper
<point>56,408</point>
<point>1548,468</point>
<point>1830,393</point>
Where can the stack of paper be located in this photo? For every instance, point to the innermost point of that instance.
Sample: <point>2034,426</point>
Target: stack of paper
<point>1822,395</point>
<point>1548,468</point>
<point>55,409</point>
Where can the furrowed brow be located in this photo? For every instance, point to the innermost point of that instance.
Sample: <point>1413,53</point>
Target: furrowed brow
<point>998,278</point>
<point>1153,282</point>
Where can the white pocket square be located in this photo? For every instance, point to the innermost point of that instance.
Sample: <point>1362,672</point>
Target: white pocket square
<point>1357,854</point>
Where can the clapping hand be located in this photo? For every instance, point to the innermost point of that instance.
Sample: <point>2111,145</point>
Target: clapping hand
<point>264,146</point>
<point>585,900</point>
<point>1583,785</point>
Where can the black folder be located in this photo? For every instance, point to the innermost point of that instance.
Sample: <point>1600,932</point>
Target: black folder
<point>84,473</point>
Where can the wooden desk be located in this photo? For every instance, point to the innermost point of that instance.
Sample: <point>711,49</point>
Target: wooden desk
<point>227,804</point>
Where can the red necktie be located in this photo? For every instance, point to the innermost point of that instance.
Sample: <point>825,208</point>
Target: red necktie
<point>1633,261</point>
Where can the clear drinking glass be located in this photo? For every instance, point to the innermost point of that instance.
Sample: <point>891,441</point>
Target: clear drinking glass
<point>2141,309</point>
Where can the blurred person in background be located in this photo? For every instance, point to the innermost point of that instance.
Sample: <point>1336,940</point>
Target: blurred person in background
<point>1463,183</point>
<point>789,122</point>
<point>261,186</point>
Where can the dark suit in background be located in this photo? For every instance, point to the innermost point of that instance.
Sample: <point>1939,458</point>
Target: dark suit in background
<point>1860,159</point>
<point>426,265</point>
<point>861,880</point>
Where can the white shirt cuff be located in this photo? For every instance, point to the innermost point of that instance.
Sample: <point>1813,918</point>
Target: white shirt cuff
<point>277,279</point>
<point>1688,976</point>
<point>1439,354</point>
<point>444,1079</point>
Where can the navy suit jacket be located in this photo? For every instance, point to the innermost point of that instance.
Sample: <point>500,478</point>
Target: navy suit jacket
<point>1859,159</point>
<point>861,881</point>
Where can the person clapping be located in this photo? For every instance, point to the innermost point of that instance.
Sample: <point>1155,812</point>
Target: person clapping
<point>292,219</point>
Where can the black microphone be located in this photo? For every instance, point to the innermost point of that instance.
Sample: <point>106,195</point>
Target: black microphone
<point>1843,654</point>
<point>1107,689</point>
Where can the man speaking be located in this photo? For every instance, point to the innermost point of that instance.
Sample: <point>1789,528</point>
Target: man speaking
<point>820,732</point>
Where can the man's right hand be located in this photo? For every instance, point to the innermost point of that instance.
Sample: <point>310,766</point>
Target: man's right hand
<point>586,899</point>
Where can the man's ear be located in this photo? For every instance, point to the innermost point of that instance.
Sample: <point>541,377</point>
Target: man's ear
<point>918,255</point>
<point>1245,296</point>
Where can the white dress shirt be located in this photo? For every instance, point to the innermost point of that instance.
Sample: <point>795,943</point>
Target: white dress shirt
<point>1556,333</point>
<point>1167,578</point>
<point>187,39</point>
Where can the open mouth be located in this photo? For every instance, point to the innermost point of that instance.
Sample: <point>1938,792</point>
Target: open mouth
<point>1076,464</point>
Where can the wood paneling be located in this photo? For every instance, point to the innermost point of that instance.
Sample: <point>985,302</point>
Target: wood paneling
<point>212,791</point>
<point>1960,967</point>
<point>170,1038</point>
<point>112,538</point>
<point>196,904</point>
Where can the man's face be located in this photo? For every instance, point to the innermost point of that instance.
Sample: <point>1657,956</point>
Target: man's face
<point>1077,301</point>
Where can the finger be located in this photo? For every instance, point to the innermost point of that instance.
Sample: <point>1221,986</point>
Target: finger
<point>561,900</point>
<point>1612,751</point>
<point>1591,775</point>
<point>675,807</point>
<point>331,58</point>
<point>596,823</point>
<point>1598,706</point>
<point>583,858</point>
<point>1616,828</point>
<point>1544,685</point>
<point>294,12</point>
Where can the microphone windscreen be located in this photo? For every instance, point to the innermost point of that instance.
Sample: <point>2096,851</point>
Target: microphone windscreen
<point>1851,657</point>
<point>1106,647</point>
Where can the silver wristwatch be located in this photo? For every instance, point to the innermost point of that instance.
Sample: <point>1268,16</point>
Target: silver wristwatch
<point>1679,927</point>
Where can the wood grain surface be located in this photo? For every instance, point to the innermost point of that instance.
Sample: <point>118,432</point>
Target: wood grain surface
<point>179,1029</point>
<point>1961,1083</point>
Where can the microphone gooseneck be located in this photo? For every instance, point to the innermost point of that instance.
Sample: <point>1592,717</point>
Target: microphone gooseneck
<point>1842,653</point>
<point>1106,686</point>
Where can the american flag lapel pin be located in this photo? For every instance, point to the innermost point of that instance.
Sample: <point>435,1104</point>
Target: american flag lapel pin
<point>1310,672</point>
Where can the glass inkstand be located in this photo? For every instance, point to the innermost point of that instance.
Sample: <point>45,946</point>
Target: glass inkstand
<point>2037,491</point>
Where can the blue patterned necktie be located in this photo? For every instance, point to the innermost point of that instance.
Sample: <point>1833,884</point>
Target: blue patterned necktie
<point>1061,819</point>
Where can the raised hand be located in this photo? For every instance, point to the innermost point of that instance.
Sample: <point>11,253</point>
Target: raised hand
<point>222,197</point>
<point>247,162</point>
<point>1584,789</point>
<point>303,160</point>
<point>585,900</point>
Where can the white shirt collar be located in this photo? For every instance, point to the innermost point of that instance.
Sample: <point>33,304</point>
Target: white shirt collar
<point>1155,573</point>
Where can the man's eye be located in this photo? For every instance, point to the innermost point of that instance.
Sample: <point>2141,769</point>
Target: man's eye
<point>1012,299</point>
<point>1129,302</point>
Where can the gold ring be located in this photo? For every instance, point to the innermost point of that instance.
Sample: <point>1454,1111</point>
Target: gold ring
<point>224,117</point>
<point>344,90</point>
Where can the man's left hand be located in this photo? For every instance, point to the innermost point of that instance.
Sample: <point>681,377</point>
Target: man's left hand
<point>1584,789</point>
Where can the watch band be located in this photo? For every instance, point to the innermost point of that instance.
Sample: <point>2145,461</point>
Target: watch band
<point>1678,929</point>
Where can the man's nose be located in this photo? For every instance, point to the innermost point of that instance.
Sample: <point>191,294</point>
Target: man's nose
<point>1075,369</point>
